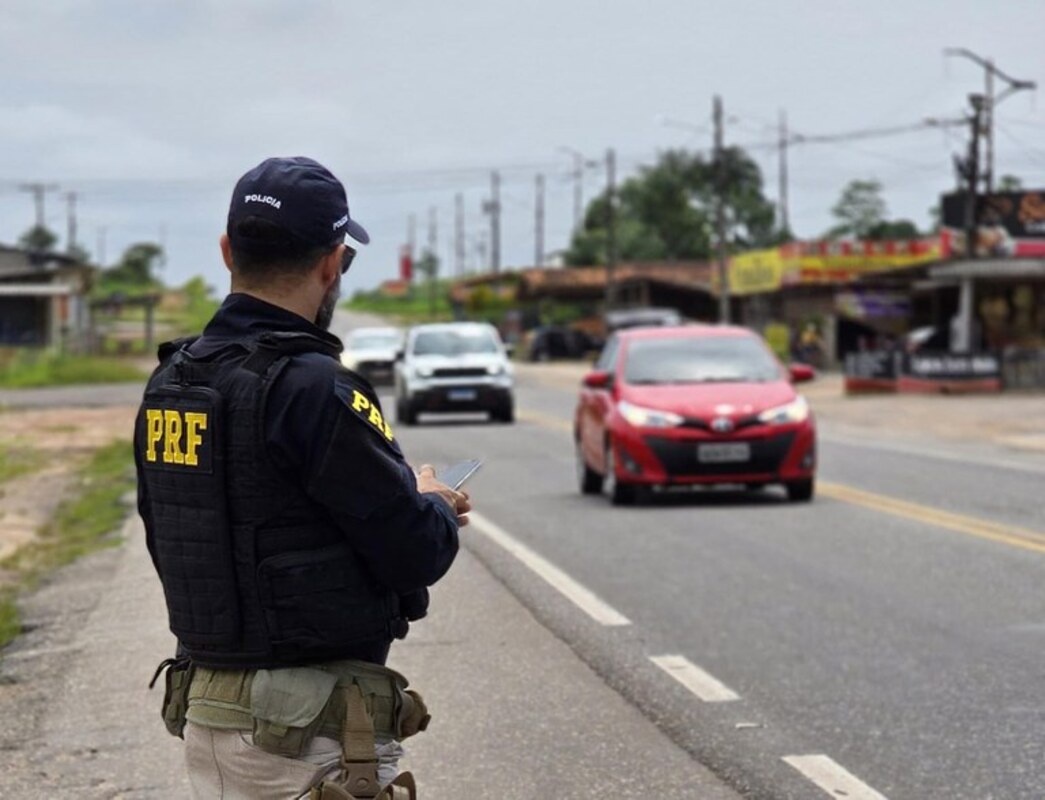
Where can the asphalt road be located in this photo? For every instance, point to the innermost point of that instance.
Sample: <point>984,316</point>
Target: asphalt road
<point>883,641</point>
<point>893,628</point>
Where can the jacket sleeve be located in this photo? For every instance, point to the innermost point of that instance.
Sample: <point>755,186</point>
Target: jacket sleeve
<point>408,539</point>
<point>360,477</point>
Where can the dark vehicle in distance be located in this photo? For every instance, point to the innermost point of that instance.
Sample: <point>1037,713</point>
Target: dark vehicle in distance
<point>550,342</point>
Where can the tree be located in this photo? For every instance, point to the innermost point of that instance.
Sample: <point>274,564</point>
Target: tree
<point>1009,183</point>
<point>134,272</point>
<point>893,229</point>
<point>667,211</point>
<point>39,238</point>
<point>859,210</point>
<point>79,253</point>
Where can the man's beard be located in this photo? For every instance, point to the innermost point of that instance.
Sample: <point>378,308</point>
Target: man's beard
<point>325,315</point>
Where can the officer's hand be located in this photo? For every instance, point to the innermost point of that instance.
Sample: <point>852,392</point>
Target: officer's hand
<point>427,483</point>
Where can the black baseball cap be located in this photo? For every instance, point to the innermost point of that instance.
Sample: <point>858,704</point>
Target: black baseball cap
<point>299,195</point>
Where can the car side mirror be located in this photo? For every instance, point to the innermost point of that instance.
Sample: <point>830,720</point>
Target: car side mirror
<point>800,373</point>
<point>400,355</point>
<point>598,379</point>
<point>509,349</point>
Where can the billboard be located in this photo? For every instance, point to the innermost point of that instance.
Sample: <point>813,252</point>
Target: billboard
<point>825,262</point>
<point>1009,224</point>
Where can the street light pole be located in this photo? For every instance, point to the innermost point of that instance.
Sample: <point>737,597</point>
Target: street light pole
<point>990,101</point>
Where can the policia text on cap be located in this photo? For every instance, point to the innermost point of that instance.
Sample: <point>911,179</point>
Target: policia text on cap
<point>293,540</point>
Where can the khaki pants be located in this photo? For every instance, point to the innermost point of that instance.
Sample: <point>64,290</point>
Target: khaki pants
<point>225,765</point>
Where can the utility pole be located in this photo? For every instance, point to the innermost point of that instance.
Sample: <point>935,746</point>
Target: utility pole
<point>990,101</point>
<point>611,227</point>
<point>431,259</point>
<point>969,169</point>
<point>578,190</point>
<point>783,219</point>
<point>163,245</point>
<point>459,234</point>
<point>720,214</point>
<point>538,250</point>
<point>38,190</point>
<point>101,244</point>
<point>70,234</point>
<point>493,208</point>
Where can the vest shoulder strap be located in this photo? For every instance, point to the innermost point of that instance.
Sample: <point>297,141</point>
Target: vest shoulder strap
<point>272,346</point>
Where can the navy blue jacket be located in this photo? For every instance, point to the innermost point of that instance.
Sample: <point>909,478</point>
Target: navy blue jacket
<point>323,434</point>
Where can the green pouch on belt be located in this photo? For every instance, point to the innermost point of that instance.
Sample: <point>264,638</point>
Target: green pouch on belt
<point>287,706</point>
<point>177,678</point>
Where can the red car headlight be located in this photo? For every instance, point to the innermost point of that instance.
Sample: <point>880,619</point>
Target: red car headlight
<point>795,411</point>
<point>648,417</point>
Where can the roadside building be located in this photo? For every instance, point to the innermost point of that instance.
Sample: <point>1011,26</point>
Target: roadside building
<point>43,299</point>
<point>684,286</point>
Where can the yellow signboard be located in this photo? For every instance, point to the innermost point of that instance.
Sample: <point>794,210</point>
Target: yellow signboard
<point>819,262</point>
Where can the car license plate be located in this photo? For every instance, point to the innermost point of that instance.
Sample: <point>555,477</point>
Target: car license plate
<point>723,453</point>
<point>462,395</point>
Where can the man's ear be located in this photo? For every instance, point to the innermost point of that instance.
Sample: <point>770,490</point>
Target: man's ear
<point>330,266</point>
<point>226,251</point>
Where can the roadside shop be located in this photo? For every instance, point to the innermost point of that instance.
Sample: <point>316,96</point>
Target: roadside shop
<point>43,299</point>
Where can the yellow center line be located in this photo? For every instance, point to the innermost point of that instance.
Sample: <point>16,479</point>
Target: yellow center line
<point>1013,535</point>
<point>545,420</point>
<point>959,523</point>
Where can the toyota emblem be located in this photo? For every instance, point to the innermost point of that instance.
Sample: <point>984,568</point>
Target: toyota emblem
<point>722,425</point>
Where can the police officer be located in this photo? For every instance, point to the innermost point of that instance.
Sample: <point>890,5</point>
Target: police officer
<point>292,539</point>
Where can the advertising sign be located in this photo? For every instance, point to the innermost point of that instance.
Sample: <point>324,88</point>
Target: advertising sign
<point>1009,224</point>
<point>825,262</point>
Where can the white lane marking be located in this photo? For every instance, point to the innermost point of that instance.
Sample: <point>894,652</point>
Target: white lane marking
<point>833,778</point>
<point>582,597</point>
<point>703,684</point>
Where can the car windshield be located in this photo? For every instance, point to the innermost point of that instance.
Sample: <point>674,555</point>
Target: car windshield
<point>454,343</point>
<point>704,359</point>
<point>374,341</point>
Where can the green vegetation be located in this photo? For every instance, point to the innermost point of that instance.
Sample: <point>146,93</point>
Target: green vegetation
<point>17,461</point>
<point>667,211</point>
<point>10,627</point>
<point>861,213</point>
<point>411,308</point>
<point>30,368</point>
<point>82,524</point>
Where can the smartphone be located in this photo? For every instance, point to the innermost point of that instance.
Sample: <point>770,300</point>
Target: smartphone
<point>455,475</point>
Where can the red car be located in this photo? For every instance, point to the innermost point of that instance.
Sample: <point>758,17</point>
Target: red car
<point>695,404</point>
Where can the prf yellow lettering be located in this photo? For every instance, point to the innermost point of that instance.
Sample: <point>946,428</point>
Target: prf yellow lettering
<point>153,431</point>
<point>172,438</point>
<point>169,426</point>
<point>359,401</point>
<point>194,423</point>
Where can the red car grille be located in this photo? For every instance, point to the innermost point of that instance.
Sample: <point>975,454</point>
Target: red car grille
<point>679,458</point>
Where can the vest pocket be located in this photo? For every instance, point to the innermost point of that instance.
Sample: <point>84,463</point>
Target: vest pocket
<point>321,599</point>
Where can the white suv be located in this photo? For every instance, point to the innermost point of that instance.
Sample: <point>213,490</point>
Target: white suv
<point>454,366</point>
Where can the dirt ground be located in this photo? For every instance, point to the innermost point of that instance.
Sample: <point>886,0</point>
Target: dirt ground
<point>63,438</point>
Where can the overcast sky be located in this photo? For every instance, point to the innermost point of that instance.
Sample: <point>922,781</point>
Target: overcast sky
<point>150,111</point>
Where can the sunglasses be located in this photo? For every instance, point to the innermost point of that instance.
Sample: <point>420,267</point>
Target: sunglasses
<point>347,258</point>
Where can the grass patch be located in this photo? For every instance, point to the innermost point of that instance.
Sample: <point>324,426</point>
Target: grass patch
<point>82,524</point>
<point>415,307</point>
<point>15,461</point>
<point>29,369</point>
<point>10,627</point>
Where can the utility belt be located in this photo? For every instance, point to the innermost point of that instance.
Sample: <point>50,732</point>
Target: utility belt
<point>286,708</point>
<point>354,702</point>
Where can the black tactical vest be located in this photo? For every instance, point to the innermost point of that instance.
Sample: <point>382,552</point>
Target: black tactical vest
<point>254,573</point>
